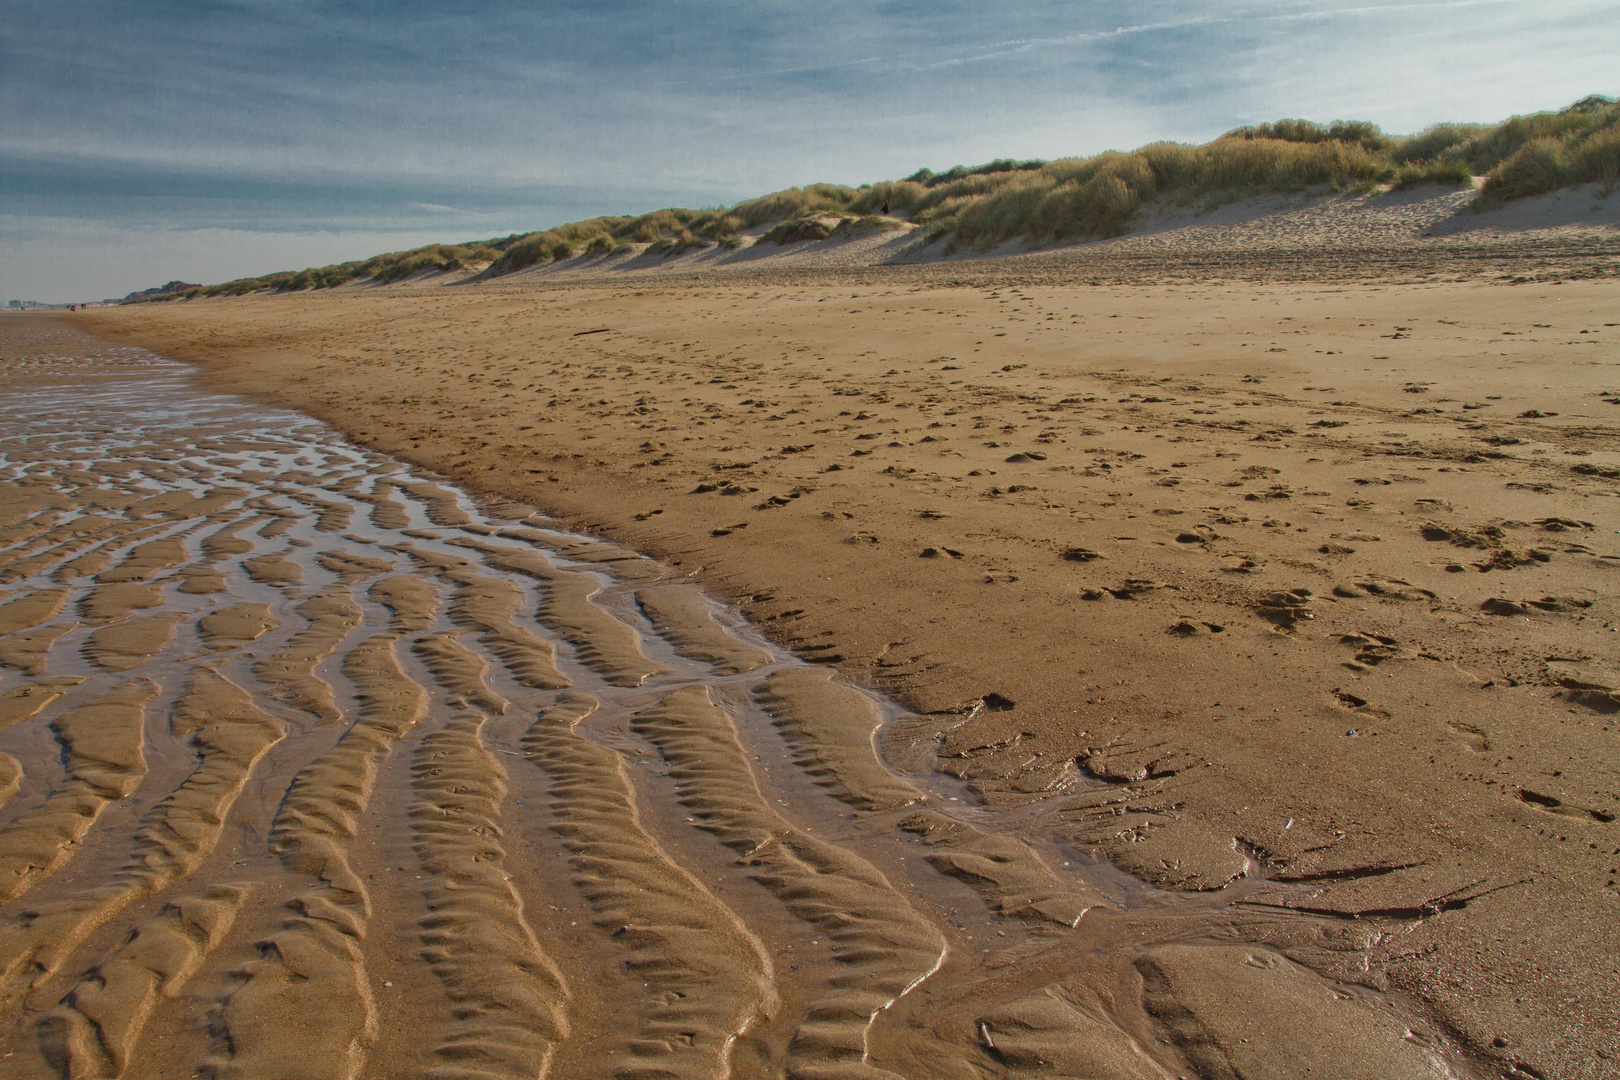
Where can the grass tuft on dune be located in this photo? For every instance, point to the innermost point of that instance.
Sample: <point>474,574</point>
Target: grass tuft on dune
<point>1049,202</point>
<point>393,266</point>
<point>1581,147</point>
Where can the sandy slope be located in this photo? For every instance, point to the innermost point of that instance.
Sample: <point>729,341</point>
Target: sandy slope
<point>1309,581</point>
<point>1421,234</point>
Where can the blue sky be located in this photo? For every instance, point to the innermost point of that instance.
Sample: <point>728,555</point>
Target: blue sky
<point>208,139</point>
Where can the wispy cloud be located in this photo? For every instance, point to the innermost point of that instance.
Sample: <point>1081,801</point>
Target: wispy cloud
<point>1002,49</point>
<point>440,208</point>
<point>362,116</point>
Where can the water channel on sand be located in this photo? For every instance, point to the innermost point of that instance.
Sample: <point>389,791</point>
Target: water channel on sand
<point>312,767</point>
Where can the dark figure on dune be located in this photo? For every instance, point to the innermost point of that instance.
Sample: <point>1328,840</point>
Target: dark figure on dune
<point>884,209</point>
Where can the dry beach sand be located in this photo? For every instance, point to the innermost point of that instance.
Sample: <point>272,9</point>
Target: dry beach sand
<point>1289,595</point>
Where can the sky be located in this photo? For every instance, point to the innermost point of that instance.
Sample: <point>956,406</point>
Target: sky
<point>204,140</point>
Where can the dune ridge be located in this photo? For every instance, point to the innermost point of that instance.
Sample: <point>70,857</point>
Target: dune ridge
<point>1039,203</point>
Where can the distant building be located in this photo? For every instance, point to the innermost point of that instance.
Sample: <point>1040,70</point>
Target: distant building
<point>14,304</point>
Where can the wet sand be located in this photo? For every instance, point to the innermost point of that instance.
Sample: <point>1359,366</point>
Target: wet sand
<point>1292,601</point>
<point>315,766</point>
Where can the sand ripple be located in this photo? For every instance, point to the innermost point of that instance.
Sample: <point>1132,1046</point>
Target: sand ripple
<point>311,766</point>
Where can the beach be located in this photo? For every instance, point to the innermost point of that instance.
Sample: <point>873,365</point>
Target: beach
<point>1280,607</point>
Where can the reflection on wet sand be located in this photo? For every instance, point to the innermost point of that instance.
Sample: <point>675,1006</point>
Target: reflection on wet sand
<point>310,766</point>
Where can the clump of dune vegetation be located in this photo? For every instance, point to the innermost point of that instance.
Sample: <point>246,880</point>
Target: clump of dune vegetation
<point>1098,196</point>
<point>672,231</point>
<point>1047,202</point>
<point>814,227</point>
<point>1074,198</point>
<point>394,266</point>
<point>1580,145</point>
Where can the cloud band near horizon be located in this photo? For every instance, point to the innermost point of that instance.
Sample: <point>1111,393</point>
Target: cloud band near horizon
<point>374,122</point>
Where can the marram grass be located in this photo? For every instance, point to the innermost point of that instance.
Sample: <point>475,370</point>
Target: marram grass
<point>1048,202</point>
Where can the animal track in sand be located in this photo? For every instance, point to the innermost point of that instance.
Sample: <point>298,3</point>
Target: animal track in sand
<point>1552,805</point>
